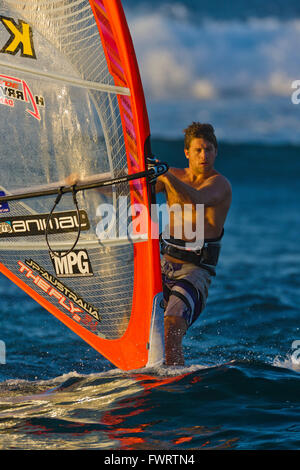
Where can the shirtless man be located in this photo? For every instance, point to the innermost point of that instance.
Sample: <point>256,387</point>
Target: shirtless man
<point>187,274</point>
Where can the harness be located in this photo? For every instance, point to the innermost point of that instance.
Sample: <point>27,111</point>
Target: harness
<point>207,257</point>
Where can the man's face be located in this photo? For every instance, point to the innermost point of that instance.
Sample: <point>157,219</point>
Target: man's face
<point>201,155</point>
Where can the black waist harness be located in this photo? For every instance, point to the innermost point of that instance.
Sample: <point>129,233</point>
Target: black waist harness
<point>206,258</point>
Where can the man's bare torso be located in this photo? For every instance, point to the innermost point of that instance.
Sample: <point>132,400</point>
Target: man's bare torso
<point>214,215</point>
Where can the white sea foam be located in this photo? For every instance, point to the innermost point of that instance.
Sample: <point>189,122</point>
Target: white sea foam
<point>292,361</point>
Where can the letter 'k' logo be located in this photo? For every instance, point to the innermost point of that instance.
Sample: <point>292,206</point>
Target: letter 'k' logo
<point>21,38</point>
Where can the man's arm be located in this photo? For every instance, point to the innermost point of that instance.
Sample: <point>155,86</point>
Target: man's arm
<point>214,191</point>
<point>159,186</point>
<point>160,183</point>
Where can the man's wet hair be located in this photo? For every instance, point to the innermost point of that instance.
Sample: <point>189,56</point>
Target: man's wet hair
<point>199,130</point>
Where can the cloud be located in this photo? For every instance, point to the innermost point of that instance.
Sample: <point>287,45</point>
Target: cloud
<point>181,59</point>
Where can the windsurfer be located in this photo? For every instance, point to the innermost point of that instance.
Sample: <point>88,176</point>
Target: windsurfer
<point>187,273</point>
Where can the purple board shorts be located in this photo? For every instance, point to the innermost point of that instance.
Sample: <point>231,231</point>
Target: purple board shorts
<point>185,289</point>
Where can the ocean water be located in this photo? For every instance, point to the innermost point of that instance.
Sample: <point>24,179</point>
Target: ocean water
<point>231,65</point>
<point>240,387</point>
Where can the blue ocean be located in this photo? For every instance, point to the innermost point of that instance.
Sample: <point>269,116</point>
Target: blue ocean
<point>233,65</point>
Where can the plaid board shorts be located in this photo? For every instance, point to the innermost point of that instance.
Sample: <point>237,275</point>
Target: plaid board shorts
<point>185,289</point>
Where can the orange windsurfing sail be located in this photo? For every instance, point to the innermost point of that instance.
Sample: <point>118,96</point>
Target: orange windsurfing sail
<point>72,102</point>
